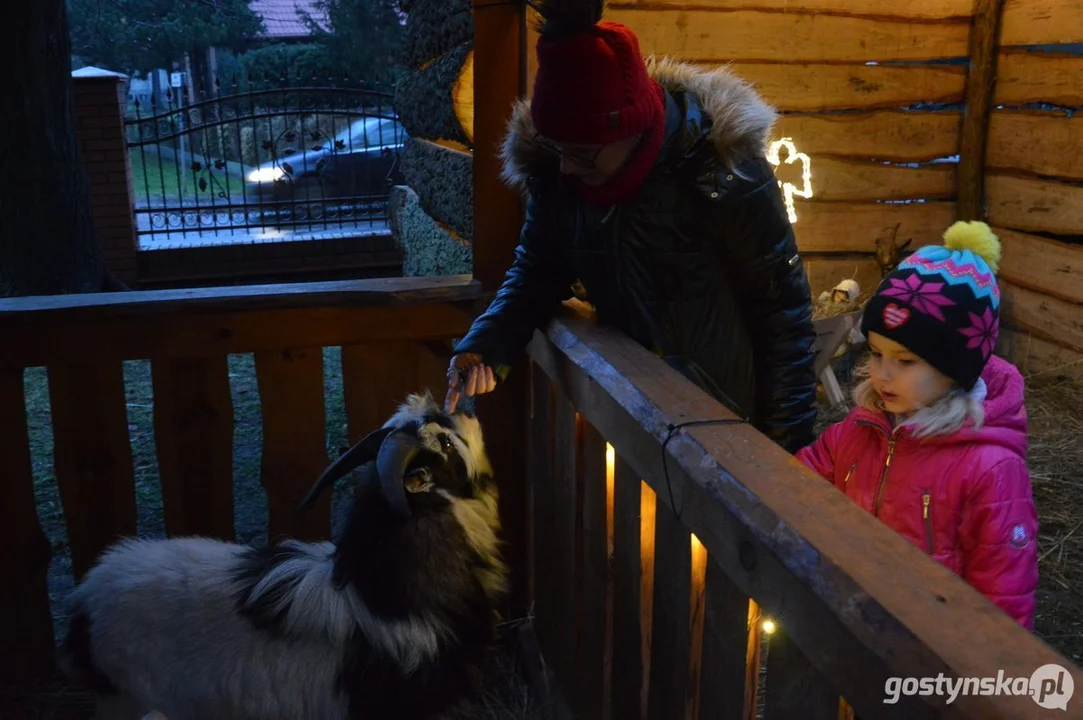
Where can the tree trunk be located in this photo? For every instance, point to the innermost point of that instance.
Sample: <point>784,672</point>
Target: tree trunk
<point>47,240</point>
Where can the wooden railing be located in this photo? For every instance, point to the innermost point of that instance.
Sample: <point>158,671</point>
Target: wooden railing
<point>652,564</point>
<point>390,332</point>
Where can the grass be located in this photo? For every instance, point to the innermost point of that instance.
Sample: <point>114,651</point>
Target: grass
<point>154,177</point>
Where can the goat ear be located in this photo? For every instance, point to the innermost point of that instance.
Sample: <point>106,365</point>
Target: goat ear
<point>906,244</point>
<point>364,451</point>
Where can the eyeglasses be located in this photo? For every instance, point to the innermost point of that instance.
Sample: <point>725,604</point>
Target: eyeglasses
<point>585,159</point>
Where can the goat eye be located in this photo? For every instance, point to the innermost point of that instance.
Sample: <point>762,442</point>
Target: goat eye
<point>446,441</point>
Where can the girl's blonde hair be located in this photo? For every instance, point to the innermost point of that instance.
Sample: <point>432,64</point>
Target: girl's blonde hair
<point>943,417</point>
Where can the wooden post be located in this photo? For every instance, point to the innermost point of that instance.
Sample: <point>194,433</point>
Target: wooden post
<point>498,217</point>
<point>980,83</point>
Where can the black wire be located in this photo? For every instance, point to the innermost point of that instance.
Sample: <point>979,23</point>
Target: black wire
<point>672,431</point>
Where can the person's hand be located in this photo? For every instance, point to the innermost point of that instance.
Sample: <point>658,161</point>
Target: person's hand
<point>476,379</point>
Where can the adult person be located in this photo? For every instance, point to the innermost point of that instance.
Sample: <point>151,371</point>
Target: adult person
<point>648,183</point>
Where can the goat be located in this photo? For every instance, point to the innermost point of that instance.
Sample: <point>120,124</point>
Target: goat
<point>392,619</point>
<point>889,253</point>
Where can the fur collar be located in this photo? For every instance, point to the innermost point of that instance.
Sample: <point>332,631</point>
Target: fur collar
<point>739,120</point>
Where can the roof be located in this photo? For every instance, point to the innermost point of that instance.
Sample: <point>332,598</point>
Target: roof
<point>281,19</point>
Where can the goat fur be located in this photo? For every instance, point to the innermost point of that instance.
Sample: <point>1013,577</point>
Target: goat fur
<point>394,619</point>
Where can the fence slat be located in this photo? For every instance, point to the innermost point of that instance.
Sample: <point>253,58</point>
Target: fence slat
<point>376,378</point>
<point>193,436</point>
<point>592,579</point>
<point>725,644</point>
<point>794,688</point>
<point>670,636</point>
<point>627,646</point>
<point>294,445</point>
<point>567,439</point>
<point>93,457</point>
<point>540,471</point>
<point>26,625</point>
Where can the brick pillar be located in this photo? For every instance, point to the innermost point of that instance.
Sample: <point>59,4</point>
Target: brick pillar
<point>99,120</point>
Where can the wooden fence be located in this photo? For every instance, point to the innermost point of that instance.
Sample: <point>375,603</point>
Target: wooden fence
<point>656,552</point>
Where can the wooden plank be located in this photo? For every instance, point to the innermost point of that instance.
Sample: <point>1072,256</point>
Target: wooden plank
<point>981,79</point>
<point>294,441</point>
<point>567,440</point>
<point>786,540</point>
<point>26,625</point>
<point>193,437</point>
<point>826,271</point>
<point>1048,144</point>
<point>818,223</point>
<point>753,659</point>
<point>376,378</point>
<point>671,641</point>
<point>1029,77</point>
<point>1036,357</point>
<point>92,455</point>
<point>697,621</point>
<point>648,510</point>
<point>627,586</point>
<point>1037,263</point>
<point>1034,205</point>
<point>795,690</point>
<point>592,579</point>
<point>725,35</point>
<point>33,341</point>
<point>816,87</point>
<point>1047,317</point>
<point>725,643</point>
<point>904,9</point>
<point>1040,22</point>
<point>540,469</point>
<point>835,179</point>
<point>884,135</point>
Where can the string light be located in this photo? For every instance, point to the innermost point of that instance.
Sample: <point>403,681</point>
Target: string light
<point>788,189</point>
<point>768,627</point>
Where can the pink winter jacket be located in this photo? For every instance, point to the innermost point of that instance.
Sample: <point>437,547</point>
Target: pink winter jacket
<point>965,498</point>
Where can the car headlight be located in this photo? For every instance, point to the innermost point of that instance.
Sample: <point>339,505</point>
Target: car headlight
<point>269,174</point>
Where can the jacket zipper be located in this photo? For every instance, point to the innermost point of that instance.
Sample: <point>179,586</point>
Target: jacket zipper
<point>883,473</point>
<point>928,523</point>
<point>849,472</point>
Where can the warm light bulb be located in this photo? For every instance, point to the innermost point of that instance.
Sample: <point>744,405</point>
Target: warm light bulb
<point>788,189</point>
<point>769,626</point>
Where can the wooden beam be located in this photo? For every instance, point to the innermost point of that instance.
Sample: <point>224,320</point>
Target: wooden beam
<point>980,85</point>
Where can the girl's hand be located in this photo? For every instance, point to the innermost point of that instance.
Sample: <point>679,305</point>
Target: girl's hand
<point>467,375</point>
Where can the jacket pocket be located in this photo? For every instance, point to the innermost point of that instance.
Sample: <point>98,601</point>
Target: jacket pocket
<point>926,500</point>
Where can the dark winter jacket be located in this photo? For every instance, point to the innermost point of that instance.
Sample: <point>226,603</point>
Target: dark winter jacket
<point>701,266</point>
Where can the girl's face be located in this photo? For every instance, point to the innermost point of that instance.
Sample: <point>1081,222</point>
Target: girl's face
<point>905,382</point>
<point>594,165</point>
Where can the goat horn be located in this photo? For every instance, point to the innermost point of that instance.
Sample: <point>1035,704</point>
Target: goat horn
<point>365,450</point>
<point>396,453</point>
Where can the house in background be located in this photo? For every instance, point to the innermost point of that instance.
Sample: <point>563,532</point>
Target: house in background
<point>283,19</point>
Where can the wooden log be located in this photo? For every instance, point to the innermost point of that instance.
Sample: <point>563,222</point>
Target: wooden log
<point>462,93</point>
<point>981,79</point>
<point>294,441</point>
<point>884,135</point>
<point>816,87</point>
<point>591,578</point>
<point>725,644</point>
<point>193,437</point>
<point>853,227</point>
<point>628,585</point>
<point>444,182</point>
<point>777,533</point>
<point>1030,204</point>
<point>434,27</point>
<point>1046,317</point>
<point>1025,76</point>
<point>1036,357</point>
<point>741,35</point>
<point>429,247</point>
<point>670,629</point>
<point>425,98</point>
<point>795,689</point>
<point>905,9</point>
<point>1042,22</point>
<point>835,179</point>
<point>26,624</point>
<point>826,271</point>
<point>1046,144</point>
<point>92,455</point>
<point>1043,265</point>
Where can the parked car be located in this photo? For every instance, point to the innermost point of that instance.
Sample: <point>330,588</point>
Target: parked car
<point>347,175</point>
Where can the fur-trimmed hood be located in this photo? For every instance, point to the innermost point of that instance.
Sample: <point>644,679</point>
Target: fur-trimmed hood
<point>737,120</point>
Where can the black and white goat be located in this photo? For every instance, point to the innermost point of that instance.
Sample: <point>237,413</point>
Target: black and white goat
<point>392,620</point>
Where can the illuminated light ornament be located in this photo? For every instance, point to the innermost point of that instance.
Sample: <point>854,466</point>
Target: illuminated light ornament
<point>788,189</point>
<point>769,627</point>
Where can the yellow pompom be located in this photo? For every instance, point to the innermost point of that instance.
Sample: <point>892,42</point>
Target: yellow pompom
<point>978,238</point>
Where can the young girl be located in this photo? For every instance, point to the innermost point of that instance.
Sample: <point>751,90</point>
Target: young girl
<point>936,445</point>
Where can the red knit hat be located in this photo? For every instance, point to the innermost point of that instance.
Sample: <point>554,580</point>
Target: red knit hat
<point>592,88</point>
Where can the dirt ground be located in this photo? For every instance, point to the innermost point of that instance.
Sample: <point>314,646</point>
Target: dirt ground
<point>1055,406</point>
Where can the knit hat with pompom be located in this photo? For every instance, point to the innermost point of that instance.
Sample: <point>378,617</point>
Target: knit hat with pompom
<point>943,302</point>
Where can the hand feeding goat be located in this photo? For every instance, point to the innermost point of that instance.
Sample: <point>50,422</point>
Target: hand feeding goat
<point>392,621</point>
